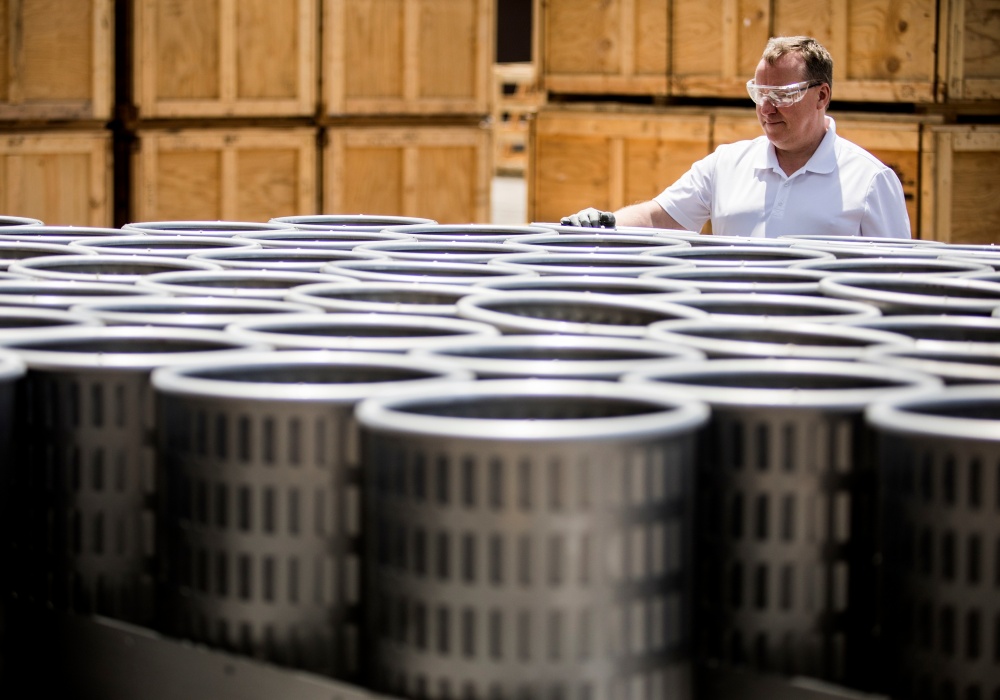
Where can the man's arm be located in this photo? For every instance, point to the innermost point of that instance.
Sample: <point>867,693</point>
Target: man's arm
<point>647,214</point>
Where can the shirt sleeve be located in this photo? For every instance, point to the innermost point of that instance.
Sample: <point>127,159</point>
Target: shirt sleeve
<point>885,208</point>
<point>689,199</point>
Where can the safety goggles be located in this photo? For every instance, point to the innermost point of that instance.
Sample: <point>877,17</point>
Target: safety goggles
<point>780,95</point>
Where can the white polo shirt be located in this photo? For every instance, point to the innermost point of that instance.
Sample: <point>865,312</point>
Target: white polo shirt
<point>842,190</point>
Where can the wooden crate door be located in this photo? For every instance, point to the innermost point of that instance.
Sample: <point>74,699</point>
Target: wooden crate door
<point>56,59</point>
<point>249,175</point>
<point>441,173</point>
<point>225,57</point>
<point>62,179</point>
<point>609,160</point>
<point>604,47</point>
<point>407,56</point>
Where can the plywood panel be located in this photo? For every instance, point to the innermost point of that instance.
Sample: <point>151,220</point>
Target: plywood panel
<point>608,157</point>
<point>969,51</point>
<point>407,56</point>
<point>63,179</point>
<point>56,59</point>
<point>211,58</point>
<point>960,184</point>
<point>438,172</point>
<point>615,47</point>
<point>225,174</point>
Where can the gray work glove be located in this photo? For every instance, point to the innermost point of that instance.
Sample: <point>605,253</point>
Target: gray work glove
<point>590,218</point>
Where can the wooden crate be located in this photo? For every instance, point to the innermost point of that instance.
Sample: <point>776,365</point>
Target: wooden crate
<point>608,156</point>
<point>893,139</point>
<point>57,59</point>
<point>516,98</point>
<point>960,186</point>
<point>882,49</point>
<point>969,50</point>
<point>407,56</point>
<point>198,58</point>
<point>441,172</point>
<point>62,178</point>
<point>224,174</point>
<point>616,46</point>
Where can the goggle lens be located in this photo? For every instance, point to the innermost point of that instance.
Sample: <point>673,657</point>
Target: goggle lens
<point>780,95</point>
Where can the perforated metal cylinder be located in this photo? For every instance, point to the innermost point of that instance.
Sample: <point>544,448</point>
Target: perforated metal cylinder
<point>604,264</point>
<point>385,297</point>
<point>558,356</point>
<point>639,287</point>
<point>283,259</point>
<point>529,538</point>
<point>958,364</point>
<point>368,332</point>
<point>727,306</point>
<point>333,239</point>
<point>785,483</point>
<point>54,234</point>
<point>262,512</point>
<point>899,266</point>
<point>249,284</point>
<point>387,270</point>
<point>204,228</point>
<point>186,311</point>
<point>578,241</point>
<point>81,482</point>
<point>121,269</point>
<point>768,337</point>
<point>484,233</point>
<point>170,246</point>
<point>916,295</point>
<point>939,458</point>
<point>445,251</point>
<point>356,222</point>
<point>742,255</point>
<point>12,252</point>
<point>578,313</point>
<point>746,280</point>
<point>6,221</point>
<point>62,294</point>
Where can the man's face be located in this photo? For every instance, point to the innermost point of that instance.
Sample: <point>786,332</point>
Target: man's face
<point>799,125</point>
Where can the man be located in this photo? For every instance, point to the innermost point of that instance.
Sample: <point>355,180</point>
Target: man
<point>799,177</point>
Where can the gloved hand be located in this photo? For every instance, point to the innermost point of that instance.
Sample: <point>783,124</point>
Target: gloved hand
<point>590,218</point>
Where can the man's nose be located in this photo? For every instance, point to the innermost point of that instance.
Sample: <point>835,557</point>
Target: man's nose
<point>767,107</point>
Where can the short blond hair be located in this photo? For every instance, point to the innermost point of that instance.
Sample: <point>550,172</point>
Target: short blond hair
<point>819,62</point>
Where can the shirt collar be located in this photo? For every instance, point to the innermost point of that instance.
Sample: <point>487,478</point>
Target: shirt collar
<point>824,160</point>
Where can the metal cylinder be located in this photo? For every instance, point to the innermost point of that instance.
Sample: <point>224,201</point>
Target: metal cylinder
<point>750,337</point>
<point>484,233</point>
<point>939,454</point>
<point>283,259</point>
<point>445,251</point>
<point>355,222</point>
<point>124,269</point>
<point>726,306</point>
<point>386,270</point>
<point>203,228</point>
<point>558,356</point>
<point>6,221</point>
<point>262,498</point>
<point>580,242</point>
<point>932,331</point>
<point>385,297</point>
<point>249,284</point>
<point>82,481</point>
<point>785,483</point>
<point>600,264</point>
<point>529,538</point>
<point>639,287</point>
<point>16,251</point>
<point>19,321</point>
<point>574,313</point>
<point>742,255</point>
<point>899,266</point>
<point>171,246</point>
<point>61,294</point>
<point>55,234</point>
<point>370,332</point>
<point>334,239</point>
<point>186,311</point>
<point>958,364</point>
<point>915,295</point>
<point>745,280</point>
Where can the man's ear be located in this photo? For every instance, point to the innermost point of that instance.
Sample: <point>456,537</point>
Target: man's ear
<point>825,94</point>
